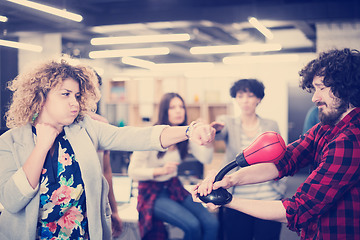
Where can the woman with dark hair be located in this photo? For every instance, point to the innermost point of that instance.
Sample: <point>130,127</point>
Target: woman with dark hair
<point>162,197</point>
<point>238,132</point>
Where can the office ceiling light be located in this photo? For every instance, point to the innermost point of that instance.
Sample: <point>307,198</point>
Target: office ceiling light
<point>23,46</point>
<point>48,9</point>
<point>137,62</point>
<point>3,19</point>
<point>276,58</point>
<point>140,26</point>
<point>250,47</point>
<point>141,39</point>
<point>173,67</point>
<point>261,28</point>
<point>168,25</point>
<point>129,52</point>
<point>118,27</point>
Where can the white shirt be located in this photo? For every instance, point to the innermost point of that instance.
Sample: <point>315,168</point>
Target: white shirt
<point>143,163</point>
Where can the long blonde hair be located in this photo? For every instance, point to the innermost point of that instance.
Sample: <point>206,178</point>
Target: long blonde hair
<point>30,89</point>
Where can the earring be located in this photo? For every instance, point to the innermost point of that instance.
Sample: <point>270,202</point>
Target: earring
<point>34,117</point>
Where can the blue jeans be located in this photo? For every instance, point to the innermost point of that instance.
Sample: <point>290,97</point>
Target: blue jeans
<point>195,220</point>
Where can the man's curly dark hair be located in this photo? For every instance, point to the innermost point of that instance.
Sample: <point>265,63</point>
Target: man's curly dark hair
<point>341,72</point>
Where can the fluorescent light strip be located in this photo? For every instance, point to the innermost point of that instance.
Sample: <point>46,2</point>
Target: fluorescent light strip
<point>141,39</point>
<point>251,47</point>
<point>24,46</point>
<point>3,19</point>
<point>168,25</point>
<point>48,9</point>
<point>118,27</point>
<point>276,58</point>
<point>130,52</point>
<point>138,62</point>
<point>261,28</point>
<point>140,26</point>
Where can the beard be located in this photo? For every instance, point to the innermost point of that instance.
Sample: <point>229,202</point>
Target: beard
<point>334,115</point>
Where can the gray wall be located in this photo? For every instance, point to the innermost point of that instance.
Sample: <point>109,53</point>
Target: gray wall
<point>8,70</point>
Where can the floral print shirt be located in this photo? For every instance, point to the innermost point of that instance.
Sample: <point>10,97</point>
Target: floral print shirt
<point>62,212</point>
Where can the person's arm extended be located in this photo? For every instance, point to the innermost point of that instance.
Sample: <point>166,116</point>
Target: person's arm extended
<point>267,210</point>
<point>220,125</point>
<point>199,133</point>
<point>150,138</point>
<point>257,173</point>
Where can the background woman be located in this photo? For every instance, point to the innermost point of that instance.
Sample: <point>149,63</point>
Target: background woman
<point>51,183</point>
<point>239,132</point>
<point>162,197</point>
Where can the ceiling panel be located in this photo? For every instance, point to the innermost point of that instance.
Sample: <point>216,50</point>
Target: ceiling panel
<point>209,23</point>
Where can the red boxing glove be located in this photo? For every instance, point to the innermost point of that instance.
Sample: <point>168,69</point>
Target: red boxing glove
<point>268,147</point>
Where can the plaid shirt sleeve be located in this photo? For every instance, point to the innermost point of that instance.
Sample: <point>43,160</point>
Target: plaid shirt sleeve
<point>298,154</point>
<point>337,171</point>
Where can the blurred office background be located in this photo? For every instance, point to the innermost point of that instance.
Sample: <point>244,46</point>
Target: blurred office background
<point>144,48</point>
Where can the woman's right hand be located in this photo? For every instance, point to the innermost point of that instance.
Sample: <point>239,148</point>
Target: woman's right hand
<point>45,135</point>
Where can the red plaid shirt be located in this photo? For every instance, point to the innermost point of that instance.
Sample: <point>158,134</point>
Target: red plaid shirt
<point>151,228</point>
<point>327,204</point>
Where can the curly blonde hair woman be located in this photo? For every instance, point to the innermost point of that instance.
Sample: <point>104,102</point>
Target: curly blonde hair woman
<point>31,88</point>
<point>51,182</point>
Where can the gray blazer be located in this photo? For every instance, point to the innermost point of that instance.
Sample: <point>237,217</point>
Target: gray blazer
<point>20,217</point>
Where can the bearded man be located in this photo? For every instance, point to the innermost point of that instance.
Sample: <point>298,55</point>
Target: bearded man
<point>327,204</point>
